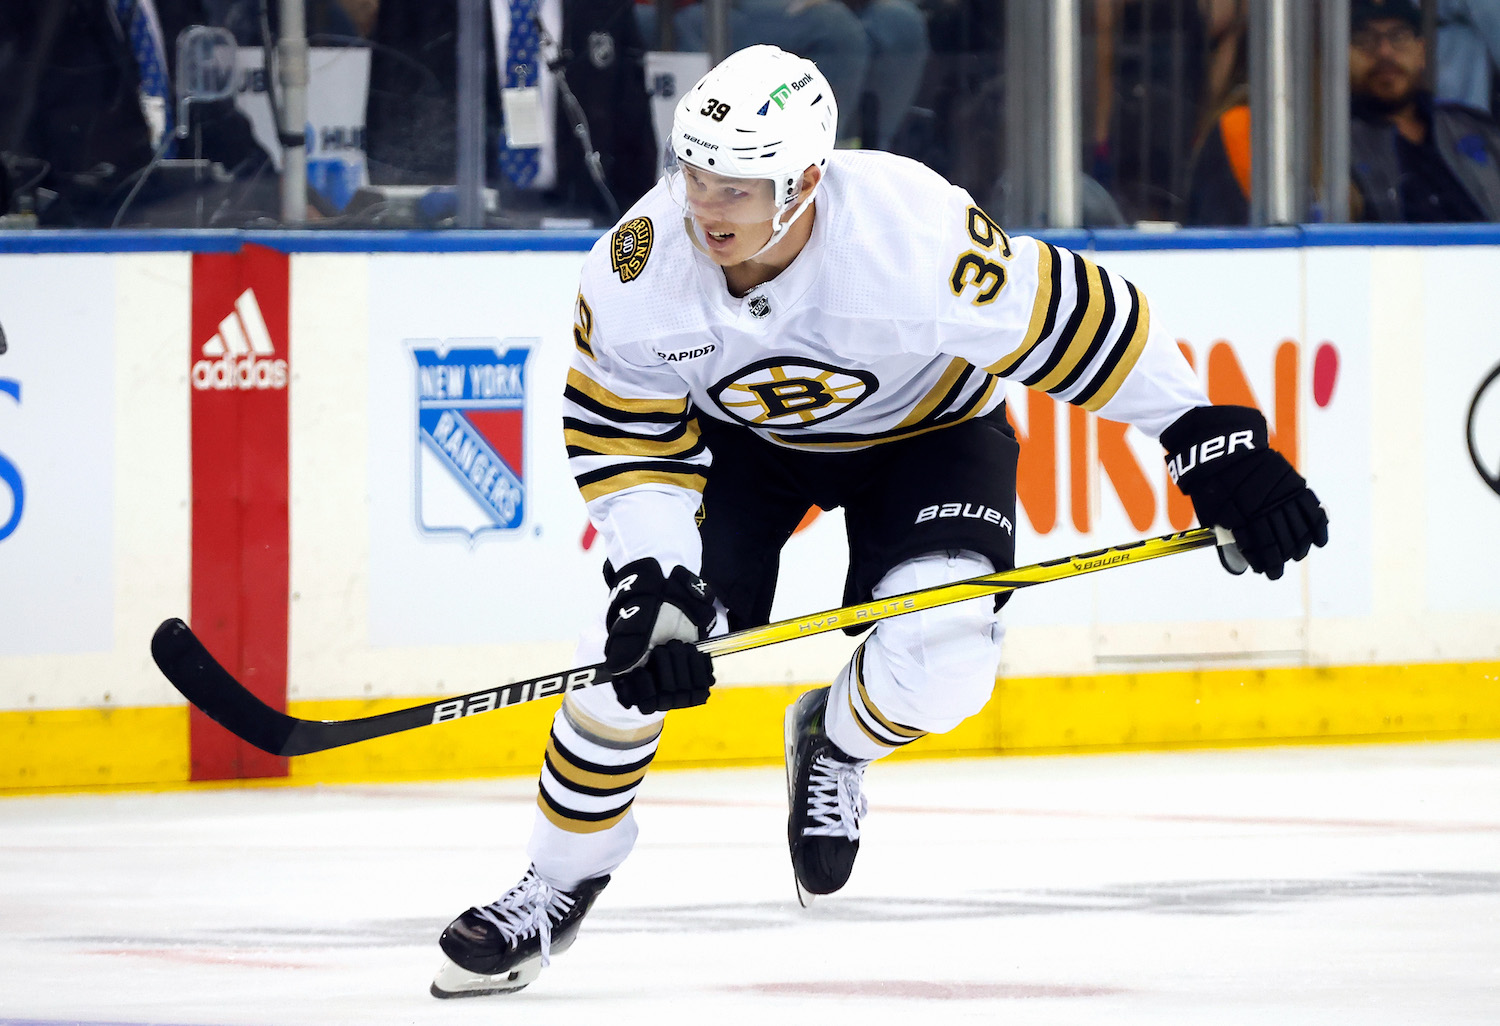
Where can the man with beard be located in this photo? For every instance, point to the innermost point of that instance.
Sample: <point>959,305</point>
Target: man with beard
<point>1412,159</point>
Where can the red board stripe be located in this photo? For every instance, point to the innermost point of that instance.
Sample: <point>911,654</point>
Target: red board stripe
<point>240,360</point>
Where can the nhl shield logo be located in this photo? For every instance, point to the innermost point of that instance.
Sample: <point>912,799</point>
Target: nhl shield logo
<point>471,437</point>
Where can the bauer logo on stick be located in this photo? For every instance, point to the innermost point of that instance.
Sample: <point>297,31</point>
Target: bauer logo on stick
<point>471,437</point>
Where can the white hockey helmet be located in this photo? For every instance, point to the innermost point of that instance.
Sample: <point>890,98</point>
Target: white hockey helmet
<point>761,113</point>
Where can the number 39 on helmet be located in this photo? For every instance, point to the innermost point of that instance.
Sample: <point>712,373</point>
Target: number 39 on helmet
<point>761,113</point>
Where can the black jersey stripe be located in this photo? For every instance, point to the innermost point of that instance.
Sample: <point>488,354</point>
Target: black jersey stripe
<point>677,429</point>
<point>1086,354</point>
<point>1084,296</point>
<point>949,384</point>
<point>1127,350</point>
<point>599,483</point>
<point>1044,309</point>
<point>682,443</point>
<point>618,416</point>
<point>967,410</point>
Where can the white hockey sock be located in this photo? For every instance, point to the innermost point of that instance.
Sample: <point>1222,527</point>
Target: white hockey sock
<point>594,764</point>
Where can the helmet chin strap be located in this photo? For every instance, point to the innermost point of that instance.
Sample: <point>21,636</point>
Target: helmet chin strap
<point>779,228</point>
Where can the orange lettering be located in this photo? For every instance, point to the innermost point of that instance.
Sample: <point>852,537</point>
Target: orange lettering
<point>1125,473</point>
<point>1078,461</point>
<point>1036,476</point>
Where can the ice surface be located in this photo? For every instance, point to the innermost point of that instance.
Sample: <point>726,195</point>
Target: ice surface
<point>1329,885</point>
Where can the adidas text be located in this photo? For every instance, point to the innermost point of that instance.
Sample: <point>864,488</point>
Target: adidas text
<point>245,373</point>
<point>1209,449</point>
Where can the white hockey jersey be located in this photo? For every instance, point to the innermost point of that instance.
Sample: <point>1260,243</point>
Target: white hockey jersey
<point>902,314</point>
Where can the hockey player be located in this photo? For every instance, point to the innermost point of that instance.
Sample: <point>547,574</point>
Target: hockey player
<point>777,325</point>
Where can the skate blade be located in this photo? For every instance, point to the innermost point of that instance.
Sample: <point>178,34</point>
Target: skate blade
<point>789,741</point>
<point>453,981</point>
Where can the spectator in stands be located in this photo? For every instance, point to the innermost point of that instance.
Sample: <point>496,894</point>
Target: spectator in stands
<point>89,101</point>
<point>411,115</point>
<point>871,51</point>
<point>1468,50</point>
<point>1412,159</point>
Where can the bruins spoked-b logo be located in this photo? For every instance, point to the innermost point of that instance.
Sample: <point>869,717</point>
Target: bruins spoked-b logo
<point>630,247</point>
<point>785,392</point>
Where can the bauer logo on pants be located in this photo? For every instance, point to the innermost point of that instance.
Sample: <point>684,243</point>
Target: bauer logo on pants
<point>471,437</point>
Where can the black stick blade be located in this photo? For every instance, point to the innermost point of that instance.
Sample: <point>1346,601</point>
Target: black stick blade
<point>184,661</point>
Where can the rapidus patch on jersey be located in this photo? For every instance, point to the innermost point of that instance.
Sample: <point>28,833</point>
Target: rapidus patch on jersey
<point>471,437</point>
<point>630,247</point>
<point>790,393</point>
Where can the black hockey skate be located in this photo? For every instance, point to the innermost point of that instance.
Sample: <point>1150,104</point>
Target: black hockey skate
<point>503,946</point>
<point>824,800</point>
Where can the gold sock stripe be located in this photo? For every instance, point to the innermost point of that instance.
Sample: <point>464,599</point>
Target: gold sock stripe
<point>581,773</point>
<point>575,822</point>
<point>905,735</point>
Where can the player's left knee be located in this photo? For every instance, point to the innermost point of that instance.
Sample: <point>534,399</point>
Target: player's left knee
<point>949,675</point>
<point>934,669</point>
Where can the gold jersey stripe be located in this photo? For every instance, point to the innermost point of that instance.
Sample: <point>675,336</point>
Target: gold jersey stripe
<point>1127,360</point>
<point>597,392</point>
<point>1088,329</point>
<point>636,445</point>
<point>895,436</point>
<point>1047,288</point>
<point>571,774</point>
<point>634,478</point>
<point>578,826</point>
<point>937,396</point>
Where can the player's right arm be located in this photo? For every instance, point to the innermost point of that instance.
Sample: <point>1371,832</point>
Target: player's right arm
<point>633,448</point>
<point>635,451</point>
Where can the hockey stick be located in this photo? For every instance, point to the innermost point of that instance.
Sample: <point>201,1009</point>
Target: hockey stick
<point>186,663</point>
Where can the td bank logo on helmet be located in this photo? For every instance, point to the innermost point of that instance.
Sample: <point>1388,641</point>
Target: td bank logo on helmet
<point>240,355</point>
<point>783,92</point>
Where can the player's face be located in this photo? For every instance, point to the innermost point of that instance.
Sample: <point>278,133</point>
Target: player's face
<point>1386,60</point>
<point>734,214</point>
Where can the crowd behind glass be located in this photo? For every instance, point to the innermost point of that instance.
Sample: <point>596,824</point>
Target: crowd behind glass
<point>90,97</point>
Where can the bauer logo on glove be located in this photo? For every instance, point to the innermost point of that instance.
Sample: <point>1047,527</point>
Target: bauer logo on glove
<point>1221,458</point>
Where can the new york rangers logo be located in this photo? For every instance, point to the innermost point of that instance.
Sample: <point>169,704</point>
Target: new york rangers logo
<point>471,437</point>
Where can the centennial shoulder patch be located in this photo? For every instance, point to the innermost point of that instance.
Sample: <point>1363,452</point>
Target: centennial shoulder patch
<point>630,247</point>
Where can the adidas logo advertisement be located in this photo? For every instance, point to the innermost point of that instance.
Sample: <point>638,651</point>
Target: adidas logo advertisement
<point>240,355</point>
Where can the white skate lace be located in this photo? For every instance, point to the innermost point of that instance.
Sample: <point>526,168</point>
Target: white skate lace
<point>529,907</point>
<point>835,802</point>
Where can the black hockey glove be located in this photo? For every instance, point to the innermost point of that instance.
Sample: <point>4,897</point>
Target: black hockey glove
<point>1221,458</point>
<point>653,621</point>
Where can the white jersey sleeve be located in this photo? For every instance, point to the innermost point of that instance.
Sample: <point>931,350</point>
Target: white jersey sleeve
<point>1025,310</point>
<point>633,447</point>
